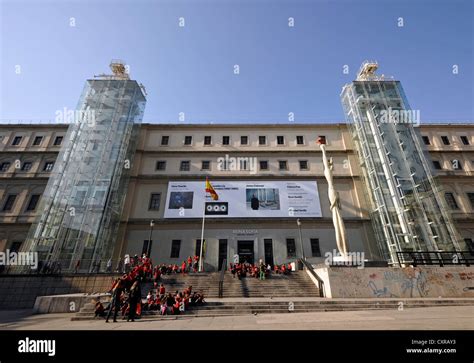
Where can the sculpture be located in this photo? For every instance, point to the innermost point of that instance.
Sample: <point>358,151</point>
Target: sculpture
<point>335,204</point>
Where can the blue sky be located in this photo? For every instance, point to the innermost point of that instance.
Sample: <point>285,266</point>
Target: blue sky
<point>190,69</point>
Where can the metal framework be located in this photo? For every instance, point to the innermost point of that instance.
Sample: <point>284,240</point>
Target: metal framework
<point>83,200</point>
<point>407,210</point>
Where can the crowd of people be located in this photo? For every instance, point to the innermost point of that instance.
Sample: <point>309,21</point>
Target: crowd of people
<point>174,304</point>
<point>127,294</point>
<point>260,270</point>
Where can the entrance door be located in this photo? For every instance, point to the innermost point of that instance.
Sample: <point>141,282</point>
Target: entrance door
<point>268,246</point>
<point>222,252</point>
<point>245,251</point>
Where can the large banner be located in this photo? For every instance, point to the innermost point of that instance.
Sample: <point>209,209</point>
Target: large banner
<point>243,199</point>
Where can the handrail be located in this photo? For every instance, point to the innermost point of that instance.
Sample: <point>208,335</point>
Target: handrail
<point>309,268</point>
<point>221,278</point>
<point>440,258</point>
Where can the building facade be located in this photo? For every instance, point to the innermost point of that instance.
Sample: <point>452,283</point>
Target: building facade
<point>169,154</point>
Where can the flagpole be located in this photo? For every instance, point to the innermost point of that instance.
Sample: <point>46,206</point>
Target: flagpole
<point>202,234</point>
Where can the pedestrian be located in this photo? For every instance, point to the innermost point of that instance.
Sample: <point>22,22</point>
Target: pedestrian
<point>134,299</point>
<point>116,300</point>
<point>78,265</point>
<point>109,266</point>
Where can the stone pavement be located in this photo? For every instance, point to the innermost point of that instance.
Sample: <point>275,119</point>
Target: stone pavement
<point>427,318</point>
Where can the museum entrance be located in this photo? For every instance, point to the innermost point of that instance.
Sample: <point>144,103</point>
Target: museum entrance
<point>245,251</point>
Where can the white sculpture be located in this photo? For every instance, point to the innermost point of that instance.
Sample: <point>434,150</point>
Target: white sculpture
<point>335,206</point>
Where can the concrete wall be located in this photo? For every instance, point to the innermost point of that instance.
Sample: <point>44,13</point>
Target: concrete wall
<point>425,281</point>
<point>20,291</point>
<point>65,303</point>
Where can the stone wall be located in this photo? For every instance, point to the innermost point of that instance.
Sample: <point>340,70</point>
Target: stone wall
<point>390,282</point>
<point>20,291</point>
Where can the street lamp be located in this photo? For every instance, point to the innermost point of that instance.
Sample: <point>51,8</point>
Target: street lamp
<point>152,224</point>
<point>298,222</point>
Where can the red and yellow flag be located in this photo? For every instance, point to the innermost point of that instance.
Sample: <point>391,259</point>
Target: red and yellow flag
<point>210,190</point>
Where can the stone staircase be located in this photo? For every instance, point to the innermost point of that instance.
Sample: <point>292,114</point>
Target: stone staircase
<point>296,284</point>
<point>247,306</point>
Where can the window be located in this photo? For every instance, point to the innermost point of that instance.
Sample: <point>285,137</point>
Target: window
<point>263,165</point>
<point>188,140</point>
<point>471,199</point>
<point>155,199</point>
<point>197,250</point>
<point>262,140</point>
<point>205,165</point>
<point>26,166</point>
<point>185,165</point>
<point>283,165</point>
<point>280,140</point>
<point>17,140</point>
<point>165,140</point>
<point>175,247</point>
<point>58,140</point>
<point>451,200</point>
<point>291,247</point>
<point>426,140</point>
<point>437,165</point>
<point>207,140</point>
<point>315,250</point>
<point>244,140</point>
<point>33,202</point>
<point>48,166</point>
<point>456,164</point>
<point>225,140</point>
<point>304,165</point>
<point>299,140</point>
<point>469,244</point>
<point>146,248</point>
<point>445,140</point>
<point>160,165</point>
<point>464,140</point>
<point>4,166</point>
<point>9,202</point>
<point>37,141</point>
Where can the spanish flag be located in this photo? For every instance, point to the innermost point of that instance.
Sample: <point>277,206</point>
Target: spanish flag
<point>210,190</point>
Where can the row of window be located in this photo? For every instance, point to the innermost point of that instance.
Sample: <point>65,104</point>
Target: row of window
<point>455,163</point>
<point>26,166</point>
<point>37,141</point>
<point>185,165</point>
<point>453,204</point>
<point>445,140</point>
<point>244,140</point>
<point>11,198</point>
<point>290,247</point>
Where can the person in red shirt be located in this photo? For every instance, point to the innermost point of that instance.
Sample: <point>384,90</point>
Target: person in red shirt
<point>162,290</point>
<point>190,263</point>
<point>283,269</point>
<point>183,267</point>
<point>289,268</point>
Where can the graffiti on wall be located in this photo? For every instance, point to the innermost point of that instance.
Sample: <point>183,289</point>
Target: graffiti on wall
<point>407,282</point>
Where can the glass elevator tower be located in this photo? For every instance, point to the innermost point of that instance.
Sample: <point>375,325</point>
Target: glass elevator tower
<point>406,206</point>
<point>83,200</point>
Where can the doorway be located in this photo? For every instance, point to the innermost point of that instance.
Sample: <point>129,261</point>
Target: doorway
<point>222,253</point>
<point>245,251</point>
<point>268,249</point>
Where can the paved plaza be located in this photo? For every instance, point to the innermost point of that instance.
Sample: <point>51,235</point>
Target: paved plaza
<point>427,318</point>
